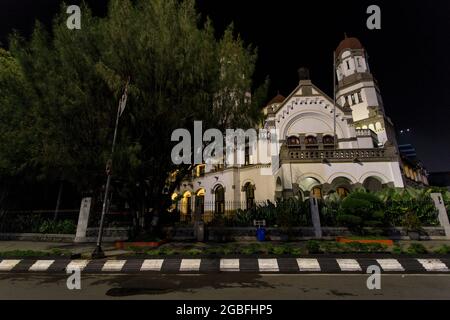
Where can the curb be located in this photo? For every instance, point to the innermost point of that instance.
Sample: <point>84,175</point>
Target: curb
<point>287,265</point>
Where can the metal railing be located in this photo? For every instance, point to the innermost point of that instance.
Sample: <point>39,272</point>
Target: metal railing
<point>210,210</point>
<point>297,154</point>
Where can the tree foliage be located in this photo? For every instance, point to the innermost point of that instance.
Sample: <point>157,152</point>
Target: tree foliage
<point>179,72</point>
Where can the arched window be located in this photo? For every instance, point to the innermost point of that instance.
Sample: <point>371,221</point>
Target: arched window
<point>311,142</point>
<point>328,141</point>
<point>249,195</point>
<point>200,202</point>
<point>293,141</point>
<point>219,196</point>
<point>373,184</point>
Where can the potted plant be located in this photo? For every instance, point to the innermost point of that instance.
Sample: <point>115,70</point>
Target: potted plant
<point>413,225</point>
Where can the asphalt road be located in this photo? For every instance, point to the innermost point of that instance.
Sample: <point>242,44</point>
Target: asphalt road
<point>224,286</point>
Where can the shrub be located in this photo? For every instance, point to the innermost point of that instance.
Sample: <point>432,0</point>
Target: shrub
<point>279,250</point>
<point>57,227</point>
<point>194,252</point>
<point>313,246</point>
<point>397,249</point>
<point>445,249</point>
<point>359,210</point>
<point>417,248</point>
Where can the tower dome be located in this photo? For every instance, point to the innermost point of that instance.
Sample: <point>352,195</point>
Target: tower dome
<point>348,43</point>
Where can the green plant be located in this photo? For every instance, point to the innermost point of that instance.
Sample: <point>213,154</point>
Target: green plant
<point>194,252</point>
<point>397,249</point>
<point>412,222</point>
<point>416,248</point>
<point>445,249</point>
<point>167,251</point>
<point>313,246</point>
<point>279,250</point>
<point>153,252</point>
<point>359,210</point>
<point>297,251</point>
<point>57,227</point>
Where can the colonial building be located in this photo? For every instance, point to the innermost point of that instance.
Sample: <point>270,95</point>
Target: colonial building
<point>323,148</point>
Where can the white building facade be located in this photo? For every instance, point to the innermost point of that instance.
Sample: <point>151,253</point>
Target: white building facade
<point>322,148</point>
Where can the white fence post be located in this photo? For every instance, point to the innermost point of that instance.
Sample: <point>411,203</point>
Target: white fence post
<point>443,217</point>
<point>83,220</point>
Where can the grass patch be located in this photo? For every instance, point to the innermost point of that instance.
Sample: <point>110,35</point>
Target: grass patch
<point>32,253</point>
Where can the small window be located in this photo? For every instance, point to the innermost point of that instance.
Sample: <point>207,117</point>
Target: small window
<point>346,100</point>
<point>348,65</point>
<point>247,156</point>
<point>328,140</point>
<point>293,141</point>
<point>353,99</point>
<point>359,62</point>
<point>310,140</point>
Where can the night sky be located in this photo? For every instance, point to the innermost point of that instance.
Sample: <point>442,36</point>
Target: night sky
<point>409,56</point>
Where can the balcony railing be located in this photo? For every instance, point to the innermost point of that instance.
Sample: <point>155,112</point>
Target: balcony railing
<point>339,155</point>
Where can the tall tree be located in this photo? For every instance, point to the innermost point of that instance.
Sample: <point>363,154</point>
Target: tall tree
<point>179,73</point>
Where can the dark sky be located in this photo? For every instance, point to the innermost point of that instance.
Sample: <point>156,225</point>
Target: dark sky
<point>409,56</point>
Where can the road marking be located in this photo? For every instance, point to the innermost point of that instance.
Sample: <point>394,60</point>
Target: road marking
<point>308,265</point>
<point>190,264</point>
<point>113,265</point>
<point>41,265</point>
<point>230,265</point>
<point>8,265</point>
<point>152,265</point>
<point>268,265</point>
<point>433,265</point>
<point>349,265</point>
<point>77,264</point>
<point>390,265</point>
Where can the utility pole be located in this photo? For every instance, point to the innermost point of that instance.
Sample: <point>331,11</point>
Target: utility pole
<point>98,252</point>
<point>334,99</point>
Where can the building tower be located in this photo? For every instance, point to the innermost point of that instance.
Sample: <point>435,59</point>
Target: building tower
<point>358,89</point>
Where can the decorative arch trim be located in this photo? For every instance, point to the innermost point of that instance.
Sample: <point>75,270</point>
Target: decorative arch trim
<point>376,175</point>
<point>337,175</point>
<point>310,175</point>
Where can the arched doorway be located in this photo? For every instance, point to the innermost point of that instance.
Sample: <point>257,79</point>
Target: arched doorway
<point>199,203</point>
<point>342,186</point>
<point>219,199</point>
<point>186,206</point>
<point>249,190</point>
<point>311,187</point>
<point>373,184</point>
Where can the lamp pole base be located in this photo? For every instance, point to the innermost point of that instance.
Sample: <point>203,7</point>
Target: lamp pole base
<point>98,253</point>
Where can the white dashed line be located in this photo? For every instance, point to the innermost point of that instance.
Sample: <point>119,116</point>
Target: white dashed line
<point>190,264</point>
<point>113,265</point>
<point>348,265</point>
<point>41,265</point>
<point>229,265</point>
<point>152,265</point>
<point>8,265</point>
<point>268,265</point>
<point>308,265</point>
<point>433,265</point>
<point>390,265</point>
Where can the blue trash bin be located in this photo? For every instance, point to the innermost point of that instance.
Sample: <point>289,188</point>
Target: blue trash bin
<point>261,234</point>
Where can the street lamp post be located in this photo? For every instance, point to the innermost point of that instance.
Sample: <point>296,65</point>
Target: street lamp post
<point>98,252</point>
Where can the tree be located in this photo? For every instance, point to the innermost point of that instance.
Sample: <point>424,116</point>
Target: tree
<point>16,136</point>
<point>179,73</point>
